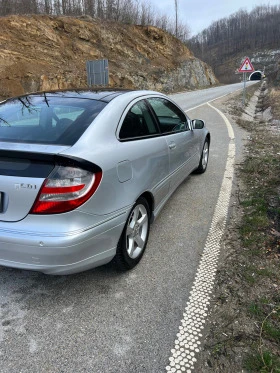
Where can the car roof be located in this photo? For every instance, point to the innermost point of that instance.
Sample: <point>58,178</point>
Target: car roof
<point>100,94</point>
<point>105,94</point>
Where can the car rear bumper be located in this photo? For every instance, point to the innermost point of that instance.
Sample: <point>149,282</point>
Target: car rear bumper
<point>61,254</point>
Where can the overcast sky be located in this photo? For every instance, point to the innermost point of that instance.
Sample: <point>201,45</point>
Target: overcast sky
<point>199,14</point>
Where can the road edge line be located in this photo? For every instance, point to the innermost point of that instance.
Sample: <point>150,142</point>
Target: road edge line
<point>187,344</point>
<point>214,99</point>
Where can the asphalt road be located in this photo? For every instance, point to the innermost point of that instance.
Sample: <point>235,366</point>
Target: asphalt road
<point>103,321</point>
<point>196,98</point>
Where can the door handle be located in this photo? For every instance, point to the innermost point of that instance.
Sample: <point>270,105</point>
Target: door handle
<point>172,145</point>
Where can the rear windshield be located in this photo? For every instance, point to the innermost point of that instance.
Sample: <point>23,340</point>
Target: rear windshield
<point>47,120</point>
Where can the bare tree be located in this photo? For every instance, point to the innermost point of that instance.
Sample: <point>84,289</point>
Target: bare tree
<point>241,32</point>
<point>126,11</point>
<point>176,18</point>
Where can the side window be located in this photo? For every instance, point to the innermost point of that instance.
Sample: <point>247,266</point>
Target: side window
<point>170,117</point>
<point>138,122</point>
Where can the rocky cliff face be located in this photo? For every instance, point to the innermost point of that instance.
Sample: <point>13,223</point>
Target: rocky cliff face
<point>267,60</point>
<point>43,53</point>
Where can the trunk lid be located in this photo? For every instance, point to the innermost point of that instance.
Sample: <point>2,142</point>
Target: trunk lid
<point>22,173</point>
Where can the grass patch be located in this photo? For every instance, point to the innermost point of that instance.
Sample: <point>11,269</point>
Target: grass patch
<point>271,331</point>
<point>262,363</point>
<point>261,359</point>
<point>260,174</point>
<point>255,309</point>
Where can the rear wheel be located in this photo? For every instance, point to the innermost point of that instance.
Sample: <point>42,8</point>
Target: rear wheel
<point>134,238</point>
<point>203,159</point>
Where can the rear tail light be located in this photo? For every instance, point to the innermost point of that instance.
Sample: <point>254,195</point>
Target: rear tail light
<point>65,189</point>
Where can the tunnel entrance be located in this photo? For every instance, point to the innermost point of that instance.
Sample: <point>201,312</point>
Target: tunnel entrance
<point>256,75</point>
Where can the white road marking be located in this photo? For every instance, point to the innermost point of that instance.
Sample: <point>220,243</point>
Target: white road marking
<point>187,344</point>
<point>227,122</point>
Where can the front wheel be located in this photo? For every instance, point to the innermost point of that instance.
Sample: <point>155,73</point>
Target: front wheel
<point>203,159</point>
<point>134,238</point>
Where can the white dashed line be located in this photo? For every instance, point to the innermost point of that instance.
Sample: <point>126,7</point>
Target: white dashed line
<point>187,344</point>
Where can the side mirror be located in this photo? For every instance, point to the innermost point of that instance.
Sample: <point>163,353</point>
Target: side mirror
<point>198,124</point>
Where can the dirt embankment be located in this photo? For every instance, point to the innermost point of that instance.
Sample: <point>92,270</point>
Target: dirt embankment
<point>43,52</point>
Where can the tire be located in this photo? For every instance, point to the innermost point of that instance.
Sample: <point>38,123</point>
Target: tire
<point>203,159</point>
<point>134,238</point>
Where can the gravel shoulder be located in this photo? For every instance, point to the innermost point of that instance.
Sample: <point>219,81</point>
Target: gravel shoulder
<point>242,333</point>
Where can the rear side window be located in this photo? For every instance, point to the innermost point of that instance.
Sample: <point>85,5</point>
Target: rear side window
<point>170,117</point>
<point>47,120</point>
<point>138,122</point>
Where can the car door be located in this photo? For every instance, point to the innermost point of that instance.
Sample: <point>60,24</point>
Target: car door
<point>175,127</point>
<point>146,153</point>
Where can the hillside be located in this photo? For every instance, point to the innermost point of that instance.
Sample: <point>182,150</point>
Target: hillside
<point>47,52</point>
<point>226,42</point>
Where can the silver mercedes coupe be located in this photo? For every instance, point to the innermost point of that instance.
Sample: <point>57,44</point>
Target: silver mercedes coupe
<point>84,173</point>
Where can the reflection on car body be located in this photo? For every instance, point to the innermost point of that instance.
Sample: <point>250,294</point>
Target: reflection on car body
<point>84,173</point>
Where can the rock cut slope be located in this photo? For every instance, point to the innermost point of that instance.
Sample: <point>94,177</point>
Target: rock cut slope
<point>43,52</point>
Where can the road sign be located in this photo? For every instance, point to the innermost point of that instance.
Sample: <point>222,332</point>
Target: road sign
<point>246,66</point>
<point>97,72</point>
